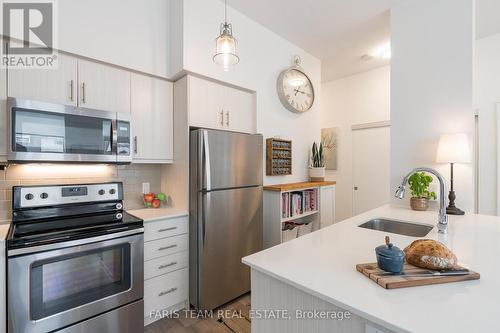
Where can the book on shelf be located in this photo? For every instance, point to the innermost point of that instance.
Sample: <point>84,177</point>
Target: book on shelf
<point>298,203</point>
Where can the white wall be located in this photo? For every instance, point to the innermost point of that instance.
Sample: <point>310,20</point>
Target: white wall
<point>129,33</point>
<point>357,99</point>
<point>487,88</point>
<point>431,86</point>
<point>263,56</point>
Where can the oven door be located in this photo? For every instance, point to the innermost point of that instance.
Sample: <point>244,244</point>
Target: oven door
<point>53,289</point>
<point>58,133</point>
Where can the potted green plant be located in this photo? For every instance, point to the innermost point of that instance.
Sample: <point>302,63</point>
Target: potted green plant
<point>317,165</point>
<point>419,186</point>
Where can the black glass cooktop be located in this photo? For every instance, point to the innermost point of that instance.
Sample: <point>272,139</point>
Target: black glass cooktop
<point>34,232</point>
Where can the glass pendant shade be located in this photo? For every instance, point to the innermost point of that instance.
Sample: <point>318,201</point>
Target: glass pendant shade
<point>225,44</point>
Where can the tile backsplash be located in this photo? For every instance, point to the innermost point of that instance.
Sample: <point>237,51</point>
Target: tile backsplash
<point>132,177</point>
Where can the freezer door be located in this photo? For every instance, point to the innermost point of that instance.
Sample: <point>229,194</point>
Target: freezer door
<point>227,159</point>
<point>230,229</point>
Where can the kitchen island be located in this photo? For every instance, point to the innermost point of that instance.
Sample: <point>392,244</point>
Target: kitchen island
<point>317,272</point>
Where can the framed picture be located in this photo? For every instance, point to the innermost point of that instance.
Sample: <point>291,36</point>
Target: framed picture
<point>329,139</point>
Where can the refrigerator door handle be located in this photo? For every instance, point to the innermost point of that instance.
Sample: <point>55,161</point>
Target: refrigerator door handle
<point>206,157</point>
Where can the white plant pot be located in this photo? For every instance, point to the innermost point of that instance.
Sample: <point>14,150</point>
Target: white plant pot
<point>317,174</point>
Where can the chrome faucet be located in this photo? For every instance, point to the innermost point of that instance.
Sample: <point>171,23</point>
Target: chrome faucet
<point>443,218</point>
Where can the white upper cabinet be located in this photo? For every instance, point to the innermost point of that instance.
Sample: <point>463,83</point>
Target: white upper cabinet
<point>3,115</point>
<point>152,118</point>
<point>54,86</point>
<point>213,105</point>
<point>103,87</point>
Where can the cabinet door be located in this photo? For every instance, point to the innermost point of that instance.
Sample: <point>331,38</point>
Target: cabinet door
<point>239,110</point>
<point>205,104</point>
<point>3,115</point>
<point>152,119</point>
<point>103,87</point>
<point>327,206</point>
<point>54,86</point>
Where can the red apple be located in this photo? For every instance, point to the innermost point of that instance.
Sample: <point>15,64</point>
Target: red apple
<point>156,203</point>
<point>149,197</point>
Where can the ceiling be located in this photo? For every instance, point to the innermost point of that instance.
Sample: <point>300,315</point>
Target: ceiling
<point>339,32</point>
<point>487,18</point>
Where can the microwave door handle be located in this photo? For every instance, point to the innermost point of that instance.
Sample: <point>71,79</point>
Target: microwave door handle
<point>114,137</point>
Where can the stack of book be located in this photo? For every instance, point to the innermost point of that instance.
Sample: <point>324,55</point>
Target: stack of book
<point>298,203</point>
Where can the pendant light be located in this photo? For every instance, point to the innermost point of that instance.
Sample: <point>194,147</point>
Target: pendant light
<point>225,45</point>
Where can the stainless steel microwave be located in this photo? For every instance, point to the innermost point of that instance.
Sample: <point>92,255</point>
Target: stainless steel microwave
<point>45,132</point>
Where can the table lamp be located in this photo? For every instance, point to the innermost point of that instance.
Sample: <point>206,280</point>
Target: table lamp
<point>453,148</point>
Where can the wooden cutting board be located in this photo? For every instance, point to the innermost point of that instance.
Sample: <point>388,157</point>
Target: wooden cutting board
<point>392,282</point>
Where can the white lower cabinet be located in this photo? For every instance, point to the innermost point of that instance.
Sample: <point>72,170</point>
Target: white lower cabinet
<point>327,206</point>
<point>166,260</point>
<point>162,247</point>
<point>164,291</point>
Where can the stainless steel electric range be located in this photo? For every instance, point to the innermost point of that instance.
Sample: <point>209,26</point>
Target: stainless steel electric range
<point>74,261</point>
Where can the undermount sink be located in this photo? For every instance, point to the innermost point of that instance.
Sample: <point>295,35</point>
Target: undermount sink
<point>397,227</point>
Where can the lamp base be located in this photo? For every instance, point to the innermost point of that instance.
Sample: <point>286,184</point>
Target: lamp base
<point>454,211</point>
<point>451,209</point>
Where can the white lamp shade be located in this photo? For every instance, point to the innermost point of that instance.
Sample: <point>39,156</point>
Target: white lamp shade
<point>453,148</point>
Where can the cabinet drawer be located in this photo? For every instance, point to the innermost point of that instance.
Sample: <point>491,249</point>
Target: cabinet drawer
<point>165,228</point>
<point>164,291</point>
<point>165,246</point>
<point>166,264</point>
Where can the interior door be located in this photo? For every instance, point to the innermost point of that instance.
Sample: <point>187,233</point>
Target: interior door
<point>231,228</point>
<point>53,86</point>
<point>371,168</point>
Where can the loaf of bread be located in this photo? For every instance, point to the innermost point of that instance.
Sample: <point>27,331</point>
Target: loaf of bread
<point>430,254</point>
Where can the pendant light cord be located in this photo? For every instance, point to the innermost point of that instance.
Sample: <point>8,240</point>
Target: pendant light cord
<point>225,11</point>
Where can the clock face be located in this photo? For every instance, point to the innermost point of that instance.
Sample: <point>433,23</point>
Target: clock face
<point>295,90</point>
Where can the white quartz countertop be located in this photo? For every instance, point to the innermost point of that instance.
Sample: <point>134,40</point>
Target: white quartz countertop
<point>323,264</point>
<point>153,214</point>
<point>4,229</point>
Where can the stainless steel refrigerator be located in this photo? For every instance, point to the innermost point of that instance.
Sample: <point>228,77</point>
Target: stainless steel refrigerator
<point>225,221</point>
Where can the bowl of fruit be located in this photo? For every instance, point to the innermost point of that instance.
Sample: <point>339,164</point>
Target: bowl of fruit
<point>154,200</point>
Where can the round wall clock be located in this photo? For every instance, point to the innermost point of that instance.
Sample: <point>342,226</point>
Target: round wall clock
<point>295,89</point>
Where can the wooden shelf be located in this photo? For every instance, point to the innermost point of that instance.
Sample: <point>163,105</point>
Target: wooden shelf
<point>296,217</point>
<point>297,186</point>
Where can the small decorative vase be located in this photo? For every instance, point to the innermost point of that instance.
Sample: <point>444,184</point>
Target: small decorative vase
<point>317,174</point>
<point>420,204</point>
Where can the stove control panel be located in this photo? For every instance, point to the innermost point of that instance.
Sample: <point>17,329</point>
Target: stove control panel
<point>53,195</point>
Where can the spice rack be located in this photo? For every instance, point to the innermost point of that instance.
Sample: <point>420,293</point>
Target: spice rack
<point>278,157</point>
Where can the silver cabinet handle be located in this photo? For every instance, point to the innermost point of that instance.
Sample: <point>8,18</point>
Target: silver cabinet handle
<point>167,265</point>
<point>167,229</point>
<point>71,84</point>
<point>167,247</point>
<point>83,93</point>
<point>222,117</point>
<point>163,293</point>
<point>135,144</point>
<point>227,118</point>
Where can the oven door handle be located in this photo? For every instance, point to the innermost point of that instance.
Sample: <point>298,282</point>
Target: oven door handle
<point>72,243</point>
